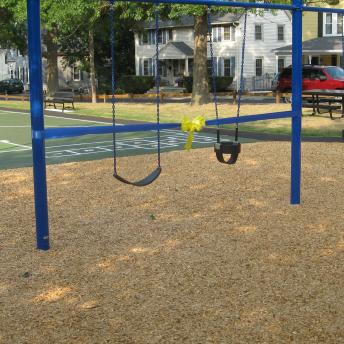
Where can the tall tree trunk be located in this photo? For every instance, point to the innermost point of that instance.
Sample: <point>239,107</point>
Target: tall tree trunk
<point>52,66</point>
<point>92,65</point>
<point>200,87</point>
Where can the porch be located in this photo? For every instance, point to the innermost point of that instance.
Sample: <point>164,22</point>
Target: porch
<point>176,61</point>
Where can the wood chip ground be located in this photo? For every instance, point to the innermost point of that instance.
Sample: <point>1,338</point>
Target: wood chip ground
<point>207,254</point>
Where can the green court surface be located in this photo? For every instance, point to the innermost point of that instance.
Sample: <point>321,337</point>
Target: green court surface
<point>15,141</point>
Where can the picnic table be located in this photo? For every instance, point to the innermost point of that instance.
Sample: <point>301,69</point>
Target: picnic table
<point>324,99</point>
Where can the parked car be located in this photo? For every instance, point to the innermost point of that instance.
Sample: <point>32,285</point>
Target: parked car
<point>11,86</point>
<point>313,77</point>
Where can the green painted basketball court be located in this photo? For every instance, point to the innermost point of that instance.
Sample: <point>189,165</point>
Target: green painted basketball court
<point>15,141</point>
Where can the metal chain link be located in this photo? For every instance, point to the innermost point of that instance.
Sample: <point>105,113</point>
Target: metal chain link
<point>113,82</point>
<point>210,33</point>
<point>241,85</point>
<point>157,80</point>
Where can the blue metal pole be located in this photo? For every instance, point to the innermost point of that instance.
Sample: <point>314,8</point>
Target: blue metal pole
<point>37,124</point>
<point>296,102</point>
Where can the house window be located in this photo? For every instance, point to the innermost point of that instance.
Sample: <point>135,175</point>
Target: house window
<point>328,24</point>
<point>164,36</point>
<point>76,74</point>
<point>147,67</point>
<point>259,66</point>
<point>280,32</point>
<point>227,67</point>
<point>227,33</point>
<point>144,37</point>
<point>280,64</point>
<point>258,32</point>
<point>340,24</point>
<point>216,33</point>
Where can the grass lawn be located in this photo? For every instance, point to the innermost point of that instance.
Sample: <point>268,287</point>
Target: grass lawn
<point>320,125</point>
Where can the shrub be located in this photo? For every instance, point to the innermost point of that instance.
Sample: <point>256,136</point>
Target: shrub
<point>135,84</point>
<point>223,83</point>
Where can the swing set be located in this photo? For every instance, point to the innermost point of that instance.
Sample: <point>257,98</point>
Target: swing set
<point>221,148</point>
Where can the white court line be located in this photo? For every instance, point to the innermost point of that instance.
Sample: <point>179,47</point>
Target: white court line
<point>71,119</point>
<point>15,145</point>
<point>14,150</point>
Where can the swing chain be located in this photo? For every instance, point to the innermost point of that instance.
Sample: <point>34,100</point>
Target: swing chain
<point>113,82</point>
<point>241,82</point>
<point>157,79</point>
<point>210,33</point>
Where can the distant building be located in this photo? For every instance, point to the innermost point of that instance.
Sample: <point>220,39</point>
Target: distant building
<point>176,43</point>
<point>322,38</point>
<point>15,66</point>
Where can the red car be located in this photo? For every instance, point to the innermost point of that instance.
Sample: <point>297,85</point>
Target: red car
<point>313,78</point>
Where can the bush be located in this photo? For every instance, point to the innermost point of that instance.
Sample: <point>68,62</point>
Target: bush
<point>135,84</point>
<point>223,83</point>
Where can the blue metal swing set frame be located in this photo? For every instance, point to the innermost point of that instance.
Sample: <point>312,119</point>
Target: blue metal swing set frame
<point>40,134</point>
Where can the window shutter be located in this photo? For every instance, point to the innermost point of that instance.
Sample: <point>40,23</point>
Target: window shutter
<point>320,24</point>
<point>220,66</point>
<point>140,67</point>
<point>232,59</point>
<point>215,65</point>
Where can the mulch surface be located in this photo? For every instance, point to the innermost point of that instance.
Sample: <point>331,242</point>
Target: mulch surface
<point>207,254</point>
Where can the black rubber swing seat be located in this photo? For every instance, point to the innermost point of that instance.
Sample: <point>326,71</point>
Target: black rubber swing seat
<point>143,182</point>
<point>232,148</point>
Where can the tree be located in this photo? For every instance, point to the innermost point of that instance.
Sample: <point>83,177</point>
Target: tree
<point>12,33</point>
<point>54,16</point>
<point>88,43</point>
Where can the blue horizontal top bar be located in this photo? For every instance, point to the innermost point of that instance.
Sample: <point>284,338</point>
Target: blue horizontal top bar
<point>219,3</point>
<point>323,9</point>
<point>55,133</point>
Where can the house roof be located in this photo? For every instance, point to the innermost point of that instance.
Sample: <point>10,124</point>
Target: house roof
<point>175,50</point>
<point>316,45</point>
<point>186,21</point>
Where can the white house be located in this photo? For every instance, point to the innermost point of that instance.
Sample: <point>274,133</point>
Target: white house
<point>265,33</point>
<point>13,65</point>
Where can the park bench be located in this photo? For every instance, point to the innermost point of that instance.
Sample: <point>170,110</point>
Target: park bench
<point>59,98</point>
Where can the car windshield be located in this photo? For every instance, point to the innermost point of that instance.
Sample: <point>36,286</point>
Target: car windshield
<point>335,72</point>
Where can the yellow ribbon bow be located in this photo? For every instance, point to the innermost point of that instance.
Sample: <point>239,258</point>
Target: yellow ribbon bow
<point>196,124</point>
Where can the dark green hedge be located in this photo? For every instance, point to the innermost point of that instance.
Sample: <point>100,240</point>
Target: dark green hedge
<point>222,83</point>
<point>135,84</point>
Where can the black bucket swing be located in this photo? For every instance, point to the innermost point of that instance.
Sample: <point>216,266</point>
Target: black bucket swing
<point>231,148</point>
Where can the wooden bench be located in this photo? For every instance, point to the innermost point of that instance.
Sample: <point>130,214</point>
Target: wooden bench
<point>60,98</point>
<point>317,107</point>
